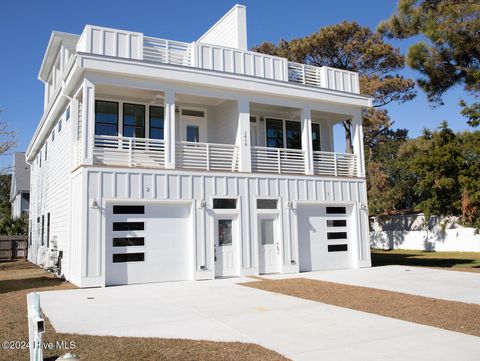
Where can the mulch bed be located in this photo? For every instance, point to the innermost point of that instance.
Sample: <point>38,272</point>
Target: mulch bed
<point>449,315</point>
<point>20,277</point>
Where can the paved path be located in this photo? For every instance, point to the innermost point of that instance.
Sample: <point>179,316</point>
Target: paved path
<point>223,310</point>
<point>422,281</point>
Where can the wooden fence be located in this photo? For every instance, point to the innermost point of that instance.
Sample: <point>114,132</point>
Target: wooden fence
<point>12,247</point>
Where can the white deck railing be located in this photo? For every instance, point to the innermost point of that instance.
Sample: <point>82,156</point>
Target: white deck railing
<point>132,152</point>
<point>132,45</point>
<point>334,164</point>
<point>278,160</point>
<point>207,156</point>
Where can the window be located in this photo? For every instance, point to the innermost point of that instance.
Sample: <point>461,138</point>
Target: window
<point>128,257</point>
<point>274,133</point>
<point>43,230</point>
<point>266,231</point>
<point>193,133</point>
<point>128,241</point>
<point>336,210</point>
<point>253,119</point>
<point>336,235</point>
<point>133,120</point>
<point>48,229</point>
<point>224,203</point>
<point>157,116</point>
<point>316,145</point>
<point>60,125</point>
<point>30,233</point>
<point>128,226</point>
<point>224,232</point>
<point>337,247</point>
<point>46,149</point>
<point>129,209</point>
<point>267,203</point>
<point>106,118</point>
<point>336,223</point>
<point>193,113</point>
<point>40,159</point>
<point>293,134</point>
<point>67,113</point>
<point>53,135</point>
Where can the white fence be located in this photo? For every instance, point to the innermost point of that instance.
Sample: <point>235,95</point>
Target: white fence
<point>414,232</point>
<point>334,164</point>
<point>207,156</point>
<point>278,160</point>
<point>133,152</point>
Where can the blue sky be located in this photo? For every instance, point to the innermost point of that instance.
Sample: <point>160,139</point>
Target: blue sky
<point>26,26</point>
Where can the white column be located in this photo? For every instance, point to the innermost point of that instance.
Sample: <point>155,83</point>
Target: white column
<point>306,119</point>
<point>88,121</point>
<point>169,129</point>
<point>357,142</point>
<point>243,136</point>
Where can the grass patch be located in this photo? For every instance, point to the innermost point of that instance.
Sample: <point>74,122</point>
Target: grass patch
<point>449,315</point>
<point>459,261</point>
<point>20,277</point>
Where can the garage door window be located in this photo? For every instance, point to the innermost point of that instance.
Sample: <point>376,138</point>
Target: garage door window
<point>336,235</point>
<point>120,209</point>
<point>128,226</point>
<point>337,247</point>
<point>336,223</point>
<point>128,257</point>
<point>336,210</point>
<point>128,241</point>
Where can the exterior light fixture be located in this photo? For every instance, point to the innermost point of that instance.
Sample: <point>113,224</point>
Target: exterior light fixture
<point>94,204</point>
<point>290,205</point>
<point>203,204</point>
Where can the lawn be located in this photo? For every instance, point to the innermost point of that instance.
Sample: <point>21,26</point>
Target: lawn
<point>459,261</point>
<point>20,277</point>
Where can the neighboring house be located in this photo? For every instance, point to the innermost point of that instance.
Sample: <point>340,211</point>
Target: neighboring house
<point>157,160</point>
<point>20,186</point>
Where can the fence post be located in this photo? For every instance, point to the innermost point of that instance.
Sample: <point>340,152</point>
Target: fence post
<point>36,326</point>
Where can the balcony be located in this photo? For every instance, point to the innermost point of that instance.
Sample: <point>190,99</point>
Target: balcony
<point>135,46</point>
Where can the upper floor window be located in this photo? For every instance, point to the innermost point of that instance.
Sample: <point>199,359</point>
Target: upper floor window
<point>67,113</point>
<point>274,133</point>
<point>133,120</point>
<point>106,118</point>
<point>156,122</point>
<point>293,132</point>
<point>316,145</point>
<point>60,125</point>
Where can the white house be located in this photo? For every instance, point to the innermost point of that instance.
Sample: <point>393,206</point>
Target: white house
<point>20,186</point>
<point>158,160</point>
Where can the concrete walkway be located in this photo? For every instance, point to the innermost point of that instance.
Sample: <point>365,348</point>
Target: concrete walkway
<point>422,281</point>
<point>222,310</point>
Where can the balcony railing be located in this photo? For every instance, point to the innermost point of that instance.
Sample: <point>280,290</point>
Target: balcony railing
<point>334,164</point>
<point>136,46</point>
<point>278,160</point>
<point>132,152</point>
<point>207,156</point>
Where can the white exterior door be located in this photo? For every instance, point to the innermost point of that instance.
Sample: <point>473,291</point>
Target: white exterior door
<point>194,129</point>
<point>324,237</point>
<point>148,243</point>
<point>225,245</point>
<point>269,244</point>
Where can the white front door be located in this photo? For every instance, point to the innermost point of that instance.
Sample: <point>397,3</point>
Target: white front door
<point>224,247</point>
<point>194,129</point>
<point>269,244</point>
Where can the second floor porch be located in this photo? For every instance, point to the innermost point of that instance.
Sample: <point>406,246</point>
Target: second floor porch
<point>168,130</point>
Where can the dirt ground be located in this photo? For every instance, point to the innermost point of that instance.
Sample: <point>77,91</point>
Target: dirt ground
<point>449,315</point>
<point>20,277</point>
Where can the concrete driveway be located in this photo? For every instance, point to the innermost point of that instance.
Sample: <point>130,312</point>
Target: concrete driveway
<point>223,310</point>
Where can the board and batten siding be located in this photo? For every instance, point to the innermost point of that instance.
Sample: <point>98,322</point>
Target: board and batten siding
<point>117,185</point>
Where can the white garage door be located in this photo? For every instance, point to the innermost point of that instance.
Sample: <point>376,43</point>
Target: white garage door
<point>324,237</point>
<point>148,243</point>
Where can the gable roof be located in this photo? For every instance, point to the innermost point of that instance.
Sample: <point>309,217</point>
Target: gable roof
<point>20,176</point>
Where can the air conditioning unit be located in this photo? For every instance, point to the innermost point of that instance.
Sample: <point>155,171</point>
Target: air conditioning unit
<point>42,256</point>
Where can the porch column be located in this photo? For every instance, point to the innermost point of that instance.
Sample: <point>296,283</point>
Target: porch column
<point>88,121</point>
<point>357,142</point>
<point>306,119</point>
<point>169,129</point>
<point>243,137</point>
